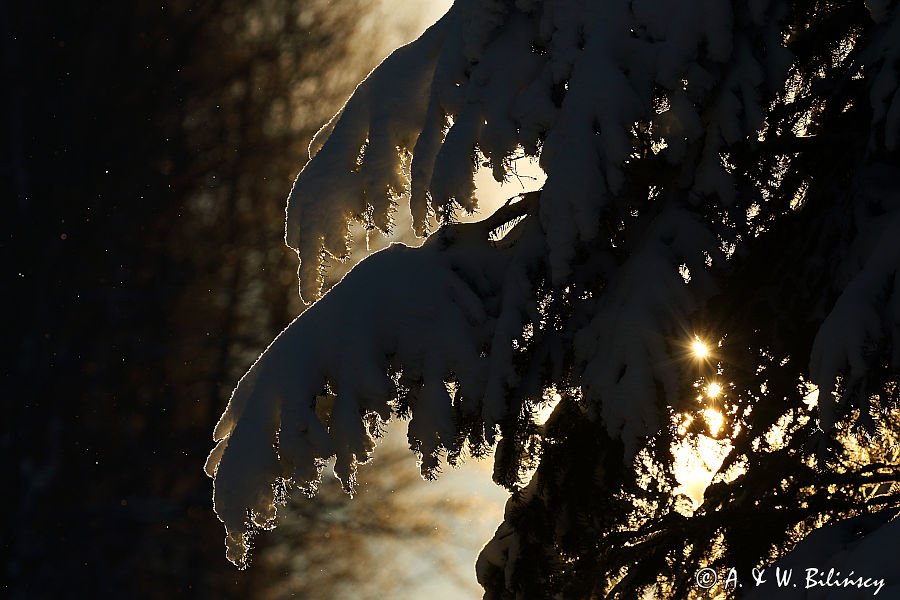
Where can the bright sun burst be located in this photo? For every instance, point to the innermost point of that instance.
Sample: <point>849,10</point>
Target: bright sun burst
<point>714,390</point>
<point>700,349</point>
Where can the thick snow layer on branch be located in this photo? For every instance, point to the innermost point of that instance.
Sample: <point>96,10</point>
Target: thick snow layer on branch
<point>502,552</point>
<point>866,316</point>
<point>270,429</point>
<point>884,56</point>
<point>646,303</point>
<point>564,79</point>
<point>398,326</point>
<point>359,168</point>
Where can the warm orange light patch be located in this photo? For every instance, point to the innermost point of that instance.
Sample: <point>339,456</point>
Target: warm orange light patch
<point>714,420</point>
<point>696,461</point>
<point>811,398</point>
<point>551,398</point>
<point>699,349</point>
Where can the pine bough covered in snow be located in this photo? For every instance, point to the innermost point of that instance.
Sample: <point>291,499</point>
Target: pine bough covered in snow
<point>715,169</point>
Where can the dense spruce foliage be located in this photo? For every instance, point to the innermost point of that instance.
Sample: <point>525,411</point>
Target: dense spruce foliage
<point>711,263</point>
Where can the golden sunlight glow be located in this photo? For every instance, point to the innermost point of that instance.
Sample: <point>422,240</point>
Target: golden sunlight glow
<point>714,420</point>
<point>696,461</point>
<point>697,458</point>
<point>811,398</point>
<point>683,426</point>
<point>700,349</point>
<point>551,399</point>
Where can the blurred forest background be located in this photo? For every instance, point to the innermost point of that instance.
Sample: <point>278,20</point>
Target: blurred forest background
<point>148,149</point>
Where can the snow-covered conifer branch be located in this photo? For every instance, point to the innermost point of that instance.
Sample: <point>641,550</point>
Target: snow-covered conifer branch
<point>274,433</point>
<point>556,78</point>
<point>669,131</point>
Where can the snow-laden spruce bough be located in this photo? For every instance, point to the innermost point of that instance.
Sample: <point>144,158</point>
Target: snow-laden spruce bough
<point>720,169</point>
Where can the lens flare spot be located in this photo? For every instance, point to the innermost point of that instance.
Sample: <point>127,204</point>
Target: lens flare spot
<point>699,349</point>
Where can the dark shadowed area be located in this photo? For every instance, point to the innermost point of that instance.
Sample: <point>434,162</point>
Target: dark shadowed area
<point>147,150</point>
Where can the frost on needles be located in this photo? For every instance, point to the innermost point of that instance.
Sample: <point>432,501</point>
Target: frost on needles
<point>661,126</point>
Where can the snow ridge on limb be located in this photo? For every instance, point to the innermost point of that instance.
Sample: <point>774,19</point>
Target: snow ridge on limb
<point>625,348</point>
<point>276,433</point>
<point>355,166</point>
<point>866,315</point>
<point>865,318</point>
<point>569,80</point>
<point>884,56</point>
<point>270,430</point>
